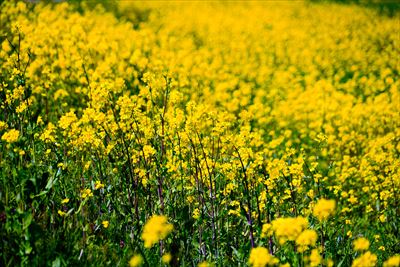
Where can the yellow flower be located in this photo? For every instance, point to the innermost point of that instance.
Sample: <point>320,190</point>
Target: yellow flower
<point>65,200</point>
<point>323,209</point>
<point>365,260</point>
<point>260,257</point>
<point>361,244</point>
<point>393,261</point>
<point>166,258</point>
<point>86,193</point>
<point>315,258</point>
<point>105,224</point>
<point>266,230</point>
<point>289,228</point>
<point>61,213</point>
<point>196,214</point>
<point>98,185</point>
<point>3,125</point>
<point>11,136</point>
<point>329,262</point>
<point>204,264</point>
<point>156,228</point>
<point>305,239</point>
<point>349,234</point>
<point>135,261</point>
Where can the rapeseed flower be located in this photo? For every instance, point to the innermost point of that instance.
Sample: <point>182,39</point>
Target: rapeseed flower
<point>105,224</point>
<point>323,209</point>
<point>98,185</point>
<point>288,228</point>
<point>361,244</point>
<point>155,229</point>
<point>260,257</point>
<point>306,239</point>
<point>85,193</point>
<point>135,261</point>
<point>365,260</point>
<point>393,261</point>
<point>11,136</point>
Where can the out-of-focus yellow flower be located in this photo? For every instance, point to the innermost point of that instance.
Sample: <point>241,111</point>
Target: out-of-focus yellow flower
<point>266,230</point>
<point>393,261</point>
<point>105,224</point>
<point>324,208</point>
<point>204,264</point>
<point>166,258</point>
<point>61,213</point>
<point>156,228</point>
<point>306,238</point>
<point>349,234</point>
<point>315,258</point>
<point>136,261</point>
<point>260,257</point>
<point>3,125</point>
<point>361,244</point>
<point>288,228</point>
<point>98,185</point>
<point>365,260</point>
<point>196,214</point>
<point>65,201</point>
<point>11,136</point>
<point>329,263</point>
<point>86,193</point>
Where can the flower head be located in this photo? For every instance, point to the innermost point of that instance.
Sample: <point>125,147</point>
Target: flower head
<point>98,185</point>
<point>105,224</point>
<point>260,257</point>
<point>324,208</point>
<point>135,261</point>
<point>11,136</point>
<point>361,244</point>
<point>365,260</point>
<point>156,228</point>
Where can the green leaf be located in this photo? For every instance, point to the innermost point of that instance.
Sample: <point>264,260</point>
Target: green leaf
<point>27,220</point>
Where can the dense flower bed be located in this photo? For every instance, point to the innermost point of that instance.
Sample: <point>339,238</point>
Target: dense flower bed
<point>191,133</point>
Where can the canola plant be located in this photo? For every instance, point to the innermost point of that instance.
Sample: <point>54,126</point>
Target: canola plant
<point>199,134</point>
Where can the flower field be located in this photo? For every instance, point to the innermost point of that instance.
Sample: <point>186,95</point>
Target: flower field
<point>199,134</point>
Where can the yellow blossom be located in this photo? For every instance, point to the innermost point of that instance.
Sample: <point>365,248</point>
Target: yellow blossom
<point>98,185</point>
<point>323,209</point>
<point>11,136</point>
<point>166,258</point>
<point>86,193</point>
<point>105,224</point>
<point>315,258</point>
<point>306,238</point>
<point>135,261</point>
<point>155,229</point>
<point>260,257</point>
<point>61,213</point>
<point>393,261</point>
<point>288,228</point>
<point>365,260</point>
<point>361,244</point>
